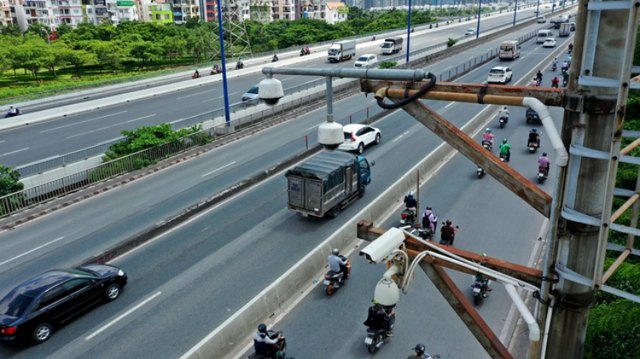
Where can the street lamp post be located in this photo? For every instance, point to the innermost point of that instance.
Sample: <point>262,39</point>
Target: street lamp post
<point>409,33</point>
<point>227,116</point>
<point>515,12</point>
<point>538,9</point>
<point>479,16</point>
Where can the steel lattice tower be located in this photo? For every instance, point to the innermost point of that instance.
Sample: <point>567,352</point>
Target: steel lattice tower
<point>236,38</point>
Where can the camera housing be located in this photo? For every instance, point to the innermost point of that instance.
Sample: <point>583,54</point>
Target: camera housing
<point>270,91</point>
<point>380,249</point>
<point>330,135</point>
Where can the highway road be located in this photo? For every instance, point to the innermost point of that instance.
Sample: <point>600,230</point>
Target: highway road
<point>40,141</point>
<point>191,279</point>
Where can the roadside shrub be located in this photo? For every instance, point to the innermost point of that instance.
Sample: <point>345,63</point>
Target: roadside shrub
<point>451,42</point>
<point>387,64</point>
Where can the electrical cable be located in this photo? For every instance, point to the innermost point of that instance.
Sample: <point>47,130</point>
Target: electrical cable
<point>417,95</point>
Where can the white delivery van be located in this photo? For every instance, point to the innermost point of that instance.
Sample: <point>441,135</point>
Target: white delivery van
<point>542,36</point>
<point>509,50</point>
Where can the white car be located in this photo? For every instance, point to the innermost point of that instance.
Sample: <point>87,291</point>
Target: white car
<point>357,137</point>
<point>549,42</point>
<point>366,61</point>
<point>251,96</point>
<point>500,74</point>
<point>470,32</point>
<point>542,20</point>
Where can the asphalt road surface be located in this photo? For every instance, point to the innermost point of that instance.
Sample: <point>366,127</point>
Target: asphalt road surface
<point>191,279</point>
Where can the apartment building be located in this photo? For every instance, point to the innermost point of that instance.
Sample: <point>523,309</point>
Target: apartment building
<point>260,10</point>
<point>8,14</point>
<point>284,9</point>
<point>330,12</point>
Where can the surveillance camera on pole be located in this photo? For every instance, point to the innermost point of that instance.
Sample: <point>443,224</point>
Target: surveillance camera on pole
<point>383,248</point>
<point>270,91</point>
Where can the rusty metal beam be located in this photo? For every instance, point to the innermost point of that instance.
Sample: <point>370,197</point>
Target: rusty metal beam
<point>616,264</point>
<point>624,207</point>
<point>507,176</point>
<point>533,276</point>
<point>466,311</point>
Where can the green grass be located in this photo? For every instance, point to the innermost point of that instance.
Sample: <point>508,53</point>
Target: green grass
<point>21,86</point>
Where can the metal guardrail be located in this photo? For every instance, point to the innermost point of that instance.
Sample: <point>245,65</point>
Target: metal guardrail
<point>31,197</point>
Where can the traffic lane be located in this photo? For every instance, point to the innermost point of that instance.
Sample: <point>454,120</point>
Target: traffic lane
<point>297,231</point>
<point>491,220</point>
<point>185,184</point>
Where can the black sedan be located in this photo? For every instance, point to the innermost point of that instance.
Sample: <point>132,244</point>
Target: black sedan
<point>35,307</point>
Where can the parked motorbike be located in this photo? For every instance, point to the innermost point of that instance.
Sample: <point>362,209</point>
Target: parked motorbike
<point>375,337</point>
<point>543,173</point>
<point>334,280</point>
<point>479,288</point>
<point>282,347</point>
<point>503,121</point>
<point>407,217</point>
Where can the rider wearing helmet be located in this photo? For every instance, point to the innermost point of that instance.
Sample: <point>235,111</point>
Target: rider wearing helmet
<point>429,220</point>
<point>337,264</point>
<point>419,352</point>
<point>488,136</point>
<point>479,278</point>
<point>555,61</point>
<point>544,163</point>
<point>504,112</point>
<point>505,150</point>
<point>534,137</point>
<point>263,344</point>
<point>410,202</point>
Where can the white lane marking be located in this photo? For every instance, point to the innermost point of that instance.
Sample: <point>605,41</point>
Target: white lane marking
<point>219,97</point>
<point>216,170</point>
<point>122,316</point>
<point>312,127</point>
<point>449,104</point>
<point>309,81</point>
<point>289,78</point>
<point>115,124</point>
<point>12,152</point>
<point>85,121</point>
<point>31,251</point>
<point>196,94</point>
<point>399,137</point>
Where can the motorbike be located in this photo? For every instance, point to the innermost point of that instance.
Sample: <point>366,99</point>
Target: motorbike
<point>375,337</point>
<point>334,280</point>
<point>407,217</point>
<point>564,82</point>
<point>282,347</point>
<point>479,289</point>
<point>543,173</point>
<point>275,58</point>
<point>554,67</point>
<point>444,241</point>
<point>532,145</point>
<point>503,158</point>
<point>9,114</point>
<point>487,144</point>
<point>425,231</point>
<point>554,84</point>
<point>239,65</point>
<point>373,39</point>
<point>480,172</point>
<point>570,51</point>
<point>503,121</point>
<point>305,52</point>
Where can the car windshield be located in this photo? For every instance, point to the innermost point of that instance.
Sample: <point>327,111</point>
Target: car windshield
<point>496,72</point>
<point>15,303</point>
<point>506,48</point>
<point>253,90</point>
<point>363,58</point>
<point>386,45</point>
<point>333,51</point>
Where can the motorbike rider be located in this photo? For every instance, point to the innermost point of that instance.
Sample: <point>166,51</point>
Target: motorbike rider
<point>534,137</point>
<point>555,62</point>
<point>419,353</point>
<point>565,76</point>
<point>504,112</point>
<point>488,136</point>
<point>13,111</point>
<point>565,65</point>
<point>534,82</point>
<point>479,278</point>
<point>275,58</point>
<point>569,60</point>
<point>447,234</point>
<point>570,47</point>
<point>410,202</point>
<point>196,74</point>
<point>263,344</point>
<point>240,64</point>
<point>378,318</point>
<point>539,76</point>
<point>505,150</point>
<point>429,219</point>
<point>544,163</point>
<point>337,264</point>
<point>555,82</point>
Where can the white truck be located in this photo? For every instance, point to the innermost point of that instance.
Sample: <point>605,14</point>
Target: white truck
<point>565,29</point>
<point>391,45</point>
<point>342,50</point>
<point>556,21</point>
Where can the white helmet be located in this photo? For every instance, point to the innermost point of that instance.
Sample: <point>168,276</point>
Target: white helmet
<point>410,193</point>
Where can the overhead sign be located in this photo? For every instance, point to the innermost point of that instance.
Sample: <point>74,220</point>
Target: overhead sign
<point>124,3</point>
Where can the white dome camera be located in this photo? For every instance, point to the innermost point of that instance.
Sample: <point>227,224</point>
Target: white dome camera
<point>270,91</point>
<point>330,135</point>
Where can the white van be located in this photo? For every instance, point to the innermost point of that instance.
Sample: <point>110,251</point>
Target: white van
<point>509,50</point>
<point>542,36</point>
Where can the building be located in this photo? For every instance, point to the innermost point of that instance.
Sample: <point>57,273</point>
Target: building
<point>283,9</point>
<point>261,10</point>
<point>9,15</point>
<point>330,12</point>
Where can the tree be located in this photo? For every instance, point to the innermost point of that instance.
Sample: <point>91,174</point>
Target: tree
<point>78,58</point>
<point>9,181</point>
<point>109,53</point>
<point>144,49</point>
<point>12,30</point>
<point>354,13</point>
<point>173,47</point>
<point>63,29</point>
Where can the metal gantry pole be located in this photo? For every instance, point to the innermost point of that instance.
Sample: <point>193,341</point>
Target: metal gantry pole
<point>479,16</point>
<point>409,33</point>
<point>515,13</point>
<point>605,37</point>
<point>225,86</point>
